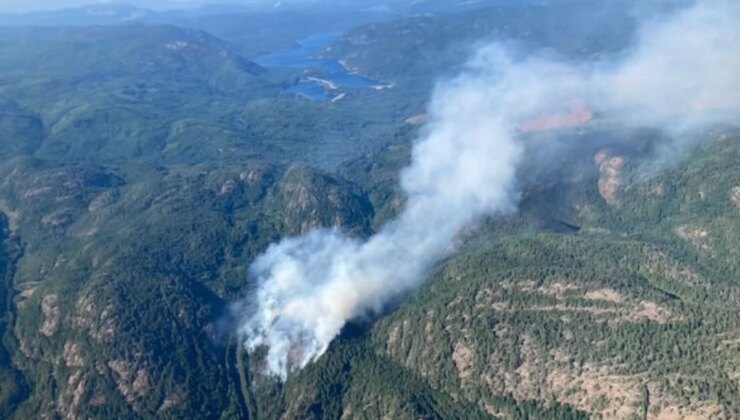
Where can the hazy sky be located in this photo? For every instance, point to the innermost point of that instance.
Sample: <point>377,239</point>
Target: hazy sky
<point>15,6</point>
<point>33,5</point>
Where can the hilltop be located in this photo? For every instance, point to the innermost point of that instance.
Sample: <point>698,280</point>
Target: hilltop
<point>144,166</point>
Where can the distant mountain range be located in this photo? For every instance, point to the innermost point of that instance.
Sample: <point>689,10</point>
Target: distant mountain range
<point>161,11</point>
<point>146,160</point>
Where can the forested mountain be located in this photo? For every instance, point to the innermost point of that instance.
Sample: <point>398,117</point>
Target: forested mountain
<point>144,166</point>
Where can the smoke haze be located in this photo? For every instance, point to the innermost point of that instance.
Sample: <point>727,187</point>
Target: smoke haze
<point>683,73</point>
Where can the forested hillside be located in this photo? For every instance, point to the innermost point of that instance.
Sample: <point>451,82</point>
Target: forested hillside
<point>143,168</point>
<point>631,313</point>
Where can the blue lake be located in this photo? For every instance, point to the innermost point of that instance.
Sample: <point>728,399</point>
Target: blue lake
<point>318,70</point>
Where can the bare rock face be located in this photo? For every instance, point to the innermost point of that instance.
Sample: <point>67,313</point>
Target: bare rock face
<point>606,294</point>
<point>70,398</point>
<point>171,400</point>
<point>309,200</point>
<point>132,382</point>
<point>60,218</point>
<point>463,356</point>
<point>52,317</point>
<point>102,200</point>
<point>695,234</point>
<point>253,176</point>
<point>73,355</point>
<point>418,119</point>
<point>228,187</point>
<point>98,320</point>
<point>735,195</point>
<point>610,181</point>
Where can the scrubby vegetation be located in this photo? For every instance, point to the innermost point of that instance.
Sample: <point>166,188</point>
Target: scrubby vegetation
<point>141,173</point>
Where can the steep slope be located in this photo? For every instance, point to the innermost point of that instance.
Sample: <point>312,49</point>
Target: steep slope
<point>21,131</point>
<point>12,384</point>
<point>121,92</point>
<point>78,53</point>
<point>421,49</point>
<point>633,314</point>
<point>121,293</point>
<point>158,95</point>
<point>142,169</point>
<point>354,382</point>
<point>611,301</point>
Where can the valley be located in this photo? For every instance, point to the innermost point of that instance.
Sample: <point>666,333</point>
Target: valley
<point>146,165</point>
<point>322,77</point>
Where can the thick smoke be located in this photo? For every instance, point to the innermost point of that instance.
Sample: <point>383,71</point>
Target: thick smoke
<point>683,73</point>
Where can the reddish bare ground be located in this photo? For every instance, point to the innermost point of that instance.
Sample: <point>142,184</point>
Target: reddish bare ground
<point>578,114</point>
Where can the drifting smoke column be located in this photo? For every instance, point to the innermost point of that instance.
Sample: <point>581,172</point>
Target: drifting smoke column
<point>309,287</point>
<point>312,285</point>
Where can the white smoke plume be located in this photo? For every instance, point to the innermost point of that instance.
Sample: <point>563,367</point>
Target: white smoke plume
<point>680,73</point>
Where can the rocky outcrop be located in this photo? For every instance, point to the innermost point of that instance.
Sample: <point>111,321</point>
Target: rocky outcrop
<point>610,179</point>
<point>52,316</point>
<point>98,321</point>
<point>697,235</point>
<point>132,381</point>
<point>73,355</point>
<point>418,119</point>
<point>70,399</point>
<point>735,195</point>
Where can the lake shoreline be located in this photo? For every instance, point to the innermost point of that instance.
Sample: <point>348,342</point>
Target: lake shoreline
<point>330,74</point>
